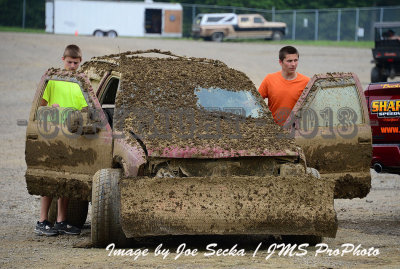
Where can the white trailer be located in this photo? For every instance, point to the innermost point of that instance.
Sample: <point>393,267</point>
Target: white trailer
<point>113,18</point>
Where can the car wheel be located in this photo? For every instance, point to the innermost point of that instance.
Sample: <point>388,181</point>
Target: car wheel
<point>112,34</point>
<point>276,36</point>
<point>106,227</point>
<point>378,167</point>
<point>98,33</point>
<point>76,214</point>
<point>375,75</point>
<point>217,37</point>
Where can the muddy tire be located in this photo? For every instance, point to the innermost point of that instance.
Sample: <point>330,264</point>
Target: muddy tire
<point>106,226</point>
<point>76,214</point>
<point>312,240</point>
<point>217,37</point>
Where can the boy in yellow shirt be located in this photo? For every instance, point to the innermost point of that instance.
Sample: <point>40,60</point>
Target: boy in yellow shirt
<point>61,94</point>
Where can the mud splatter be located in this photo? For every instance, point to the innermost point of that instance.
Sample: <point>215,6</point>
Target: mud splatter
<point>57,155</point>
<point>59,185</point>
<point>240,205</point>
<point>338,157</point>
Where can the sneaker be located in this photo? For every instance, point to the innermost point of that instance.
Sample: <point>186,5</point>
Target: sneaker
<point>45,228</point>
<point>64,227</point>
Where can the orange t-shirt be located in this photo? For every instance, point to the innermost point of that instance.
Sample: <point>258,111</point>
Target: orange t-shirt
<point>282,94</point>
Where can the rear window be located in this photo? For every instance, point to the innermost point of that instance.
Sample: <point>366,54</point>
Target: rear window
<point>334,105</point>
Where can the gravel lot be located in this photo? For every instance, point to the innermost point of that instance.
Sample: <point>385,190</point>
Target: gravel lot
<point>372,222</point>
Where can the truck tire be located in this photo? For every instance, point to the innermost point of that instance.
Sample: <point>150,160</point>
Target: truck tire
<point>217,37</point>
<point>277,35</point>
<point>375,75</point>
<point>112,34</point>
<point>98,33</point>
<point>312,240</point>
<point>378,167</point>
<point>76,214</point>
<point>106,226</point>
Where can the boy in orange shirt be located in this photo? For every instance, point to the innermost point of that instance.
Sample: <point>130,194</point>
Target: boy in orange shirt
<point>284,87</point>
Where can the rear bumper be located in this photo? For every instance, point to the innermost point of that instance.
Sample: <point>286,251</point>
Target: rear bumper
<point>237,205</point>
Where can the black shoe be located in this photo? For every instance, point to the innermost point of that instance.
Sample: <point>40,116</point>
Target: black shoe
<point>45,228</point>
<point>64,227</point>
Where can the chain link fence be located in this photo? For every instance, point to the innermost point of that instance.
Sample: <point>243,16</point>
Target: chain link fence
<point>349,24</point>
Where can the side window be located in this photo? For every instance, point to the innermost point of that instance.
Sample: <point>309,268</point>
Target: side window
<point>108,96</point>
<point>60,107</point>
<point>63,94</point>
<point>258,20</point>
<point>214,19</point>
<point>334,105</point>
<point>107,99</point>
<point>244,19</point>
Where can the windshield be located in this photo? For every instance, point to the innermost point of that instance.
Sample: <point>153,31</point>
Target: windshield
<point>388,32</point>
<point>198,19</point>
<point>242,102</point>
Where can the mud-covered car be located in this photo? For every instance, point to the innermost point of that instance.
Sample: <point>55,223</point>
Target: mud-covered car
<point>171,145</point>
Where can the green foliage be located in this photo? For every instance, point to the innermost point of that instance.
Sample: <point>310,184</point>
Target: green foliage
<point>11,13</point>
<point>20,29</point>
<point>290,4</point>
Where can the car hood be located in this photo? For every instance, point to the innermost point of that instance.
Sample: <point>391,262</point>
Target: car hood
<point>157,105</point>
<point>210,136</point>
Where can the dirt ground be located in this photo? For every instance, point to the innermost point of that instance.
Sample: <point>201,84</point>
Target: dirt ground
<point>372,222</point>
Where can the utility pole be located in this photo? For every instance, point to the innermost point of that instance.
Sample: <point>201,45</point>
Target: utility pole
<point>23,13</point>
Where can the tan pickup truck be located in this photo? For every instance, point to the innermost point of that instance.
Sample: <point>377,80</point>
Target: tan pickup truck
<point>217,26</point>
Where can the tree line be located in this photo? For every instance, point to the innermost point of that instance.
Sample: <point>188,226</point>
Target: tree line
<point>11,11</point>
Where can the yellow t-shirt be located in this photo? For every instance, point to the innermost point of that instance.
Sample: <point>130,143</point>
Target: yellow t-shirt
<point>65,94</point>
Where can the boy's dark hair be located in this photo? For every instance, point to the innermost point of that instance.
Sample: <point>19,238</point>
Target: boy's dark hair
<point>287,50</point>
<point>72,51</point>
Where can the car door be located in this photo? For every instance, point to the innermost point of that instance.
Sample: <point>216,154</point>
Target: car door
<point>330,122</point>
<point>61,160</point>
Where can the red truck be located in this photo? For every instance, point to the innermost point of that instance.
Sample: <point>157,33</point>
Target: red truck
<point>384,111</point>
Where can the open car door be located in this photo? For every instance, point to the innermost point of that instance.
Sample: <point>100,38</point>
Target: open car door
<point>65,147</point>
<point>330,122</point>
